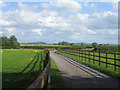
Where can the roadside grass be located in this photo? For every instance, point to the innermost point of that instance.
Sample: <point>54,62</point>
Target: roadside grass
<point>17,66</point>
<point>56,77</point>
<point>102,68</point>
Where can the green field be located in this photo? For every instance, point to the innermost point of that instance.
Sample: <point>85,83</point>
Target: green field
<point>17,66</point>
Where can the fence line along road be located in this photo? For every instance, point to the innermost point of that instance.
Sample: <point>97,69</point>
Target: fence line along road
<point>100,57</point>
<point>43,79</point>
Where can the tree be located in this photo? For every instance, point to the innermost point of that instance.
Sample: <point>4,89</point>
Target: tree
<point>72,44</point>
<point>82,44</point>
<point>94,44</point>
<point>13,42</point>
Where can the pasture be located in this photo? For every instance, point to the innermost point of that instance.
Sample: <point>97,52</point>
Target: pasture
<point>17,66</point>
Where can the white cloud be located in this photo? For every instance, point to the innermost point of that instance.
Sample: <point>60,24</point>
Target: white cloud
<point>91,31</point>
<point>23,33</point>
<point>11,29</point>
<point>45,5</point>
<point>92,5</point>
<point>1,32</point>
<point>74,27</point>
<point>38,31</point>
<point>26,7</point>
<point>76,36</point>
<point>2,4</point>
<point>108,32</point>
<point>54,22</point>
<point>8,31</point>
<point>5,22</point>
<point>67,6</point>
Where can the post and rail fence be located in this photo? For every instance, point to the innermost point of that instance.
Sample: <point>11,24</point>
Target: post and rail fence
<point>43,79</point>
<point>92,56</point>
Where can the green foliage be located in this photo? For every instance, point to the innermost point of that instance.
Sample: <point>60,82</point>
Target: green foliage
<point>109,48</point>
<point>64,43</point>
<point>7,43</point>
<point>94,44</point>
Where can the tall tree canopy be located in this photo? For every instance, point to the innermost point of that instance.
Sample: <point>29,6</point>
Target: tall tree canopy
<point>11,42</point>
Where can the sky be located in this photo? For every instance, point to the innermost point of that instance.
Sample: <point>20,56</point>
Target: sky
<point>63,20</point>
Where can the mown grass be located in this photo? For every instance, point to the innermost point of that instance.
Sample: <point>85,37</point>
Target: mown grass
<point>17,66</point>
<point>56,77</point>
<point>102,68</point>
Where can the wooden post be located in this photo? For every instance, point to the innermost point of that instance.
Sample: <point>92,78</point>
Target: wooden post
<point>89,56</point>
<point>99,58</point>
<point>82,54</point>
<point>106,60</point>
<point>85,55</point>
<point>93,57</point>
<point>115,61</point>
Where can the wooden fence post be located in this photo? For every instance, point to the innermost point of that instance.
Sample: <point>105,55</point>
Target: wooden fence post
<point>115,61</point>
<point>89,56</point>
<point>85,55</point>
<point>99,58</point>
<point>106,60</point>
<point>93,57</point>
<point>82,54</point>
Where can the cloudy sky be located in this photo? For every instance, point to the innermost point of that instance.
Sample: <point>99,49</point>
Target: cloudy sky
<point>63,20</point>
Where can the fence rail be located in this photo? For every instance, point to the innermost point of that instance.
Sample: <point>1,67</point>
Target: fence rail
<point>43,78</point>
<point>100,57</point>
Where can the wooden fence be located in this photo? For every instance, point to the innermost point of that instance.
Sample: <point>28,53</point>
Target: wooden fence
<point>43,79</point>
<point>100,57</point>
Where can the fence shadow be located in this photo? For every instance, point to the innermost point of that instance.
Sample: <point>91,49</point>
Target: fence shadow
<point>80,82</point>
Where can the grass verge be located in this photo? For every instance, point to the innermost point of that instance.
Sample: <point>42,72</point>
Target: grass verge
<point>108,71</point>
<point>56,77</point>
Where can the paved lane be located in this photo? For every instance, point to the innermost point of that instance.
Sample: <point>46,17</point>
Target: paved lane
<point>77,75</point>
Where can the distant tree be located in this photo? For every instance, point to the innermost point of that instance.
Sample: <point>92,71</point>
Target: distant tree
<point>72,44</point>
<point>65,43</point>
<point>82,44</point>
<point>94,44</point>
<point>59,43</point>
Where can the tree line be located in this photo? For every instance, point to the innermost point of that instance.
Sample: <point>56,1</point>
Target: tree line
<point>7,43</point>
<point>64,43</point>
<point>95,46</point>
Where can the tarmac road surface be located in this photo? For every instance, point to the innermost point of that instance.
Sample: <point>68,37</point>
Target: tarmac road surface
<point>78,75</point>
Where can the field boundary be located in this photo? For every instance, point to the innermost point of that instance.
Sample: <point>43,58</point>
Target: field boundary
<point>90,55</point>
<point>43,79</point>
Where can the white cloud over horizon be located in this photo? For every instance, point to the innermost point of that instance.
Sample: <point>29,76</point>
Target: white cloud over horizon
<point>51,23</point>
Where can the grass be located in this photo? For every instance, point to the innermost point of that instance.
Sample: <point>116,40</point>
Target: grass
<point>56,77</point>
<point>17,66</point>
<point>109,71</point>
